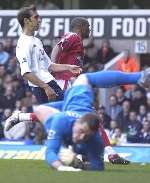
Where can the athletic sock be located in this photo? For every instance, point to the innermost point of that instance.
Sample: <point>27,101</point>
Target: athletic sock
<point>106,79</point>
<point>28,117</point>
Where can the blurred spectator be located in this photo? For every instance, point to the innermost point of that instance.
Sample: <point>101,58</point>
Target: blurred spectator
<point>133,128</point>
<point>130,93</point>
<point>148,102</point>
<point>7,81</point>
<point>1,131</point>
<point>18,88</point>
<point>90,68</point>
<point>9,47</point>
<point>123,116</point>
<point>104,54</point>
<point>118,137</point>
<point>144,135</point>
<point>142,113</point>
<point>113,107</point>
<point>89,55</point>
<point>27,100</point>
<point>18,105</point>
<point>24,109</point>
<point>111,130</point>
<point>34,100</point>
<point>30,134</point>
<point>2,71</point>
<point>139,98</point>
<point>104,117</point>
<point>2,76</point>
<point>1,114</point>
<point>40,134</point>
<point>4,56</point>
<point>148,116</point>
<point>35,134</point>
<point>87,60</point>
<point>47,5</point>
<point>120,96</point>
<point>12,65</point>
<point>8,99</point>
<point>128,63</point>
<point>7,113</point>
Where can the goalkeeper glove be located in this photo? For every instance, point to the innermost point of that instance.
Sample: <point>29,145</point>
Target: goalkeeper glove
<point>77,163</point>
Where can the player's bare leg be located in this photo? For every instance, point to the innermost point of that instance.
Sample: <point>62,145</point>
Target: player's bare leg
<point>40,113</point>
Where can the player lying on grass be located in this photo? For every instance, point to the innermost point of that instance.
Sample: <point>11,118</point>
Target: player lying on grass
<point>18,130</point>
<point>73,120</point>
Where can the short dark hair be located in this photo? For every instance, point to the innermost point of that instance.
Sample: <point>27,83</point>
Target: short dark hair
<point>78,22</point>
<point>25,12</point>
<point>92,120</point>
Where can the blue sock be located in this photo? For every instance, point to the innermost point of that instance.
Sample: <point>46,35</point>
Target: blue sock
<point>106,79</point>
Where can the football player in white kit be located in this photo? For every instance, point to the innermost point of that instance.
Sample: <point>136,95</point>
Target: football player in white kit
<point>36,66</point>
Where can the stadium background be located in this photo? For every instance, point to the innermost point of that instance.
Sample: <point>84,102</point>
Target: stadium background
<point>101,11</point>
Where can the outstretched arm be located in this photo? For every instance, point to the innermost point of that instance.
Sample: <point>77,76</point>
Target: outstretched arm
<point>56,127</point>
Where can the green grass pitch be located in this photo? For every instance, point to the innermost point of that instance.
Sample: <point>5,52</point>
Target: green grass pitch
<point>34,171</point>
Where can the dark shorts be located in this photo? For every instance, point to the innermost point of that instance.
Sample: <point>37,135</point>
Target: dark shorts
<point>41,95</point>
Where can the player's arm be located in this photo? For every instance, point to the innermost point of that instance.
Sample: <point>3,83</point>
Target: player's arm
<point>54,142</point>
<point>29,76</point>
<point>55,53</point>
<point>65,67</point>
<point>35,80</point>
<point>53,158</point>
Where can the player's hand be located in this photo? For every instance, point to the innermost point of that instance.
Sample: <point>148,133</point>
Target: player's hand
<point>68,169</point>
<point>116,159</point>
<point>75,69</point>
<point>66,156</point>
<point>50,92</point>
<point>78,163</point>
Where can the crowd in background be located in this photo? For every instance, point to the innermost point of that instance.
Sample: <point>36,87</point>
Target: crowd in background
<point>126,117</point>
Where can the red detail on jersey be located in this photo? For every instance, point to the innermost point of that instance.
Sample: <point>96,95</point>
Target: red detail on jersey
<point>33,117</point>
<point>72,53</point>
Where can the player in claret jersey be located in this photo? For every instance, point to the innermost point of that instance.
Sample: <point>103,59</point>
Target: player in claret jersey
<point>69,50</point>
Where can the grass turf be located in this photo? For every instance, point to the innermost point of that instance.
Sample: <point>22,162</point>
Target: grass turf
<point>34,171</point>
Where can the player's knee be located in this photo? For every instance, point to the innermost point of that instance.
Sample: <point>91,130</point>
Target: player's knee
<point>81,80</point>
<point>38,110</point>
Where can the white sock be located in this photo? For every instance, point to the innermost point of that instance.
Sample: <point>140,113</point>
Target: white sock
<point>24,116</point>
<point>109,150</point>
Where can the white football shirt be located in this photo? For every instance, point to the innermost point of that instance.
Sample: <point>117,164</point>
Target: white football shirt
<point>32,58</point>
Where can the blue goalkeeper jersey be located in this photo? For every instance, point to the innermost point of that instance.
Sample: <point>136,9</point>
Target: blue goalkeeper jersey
<point>77,101</point>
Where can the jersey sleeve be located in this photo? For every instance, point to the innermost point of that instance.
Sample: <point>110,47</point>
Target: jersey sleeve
<point>23,55</point>
<point>48,59</point>
<point>55,128</point>
<point>68,41</point>
<point>95,152</point>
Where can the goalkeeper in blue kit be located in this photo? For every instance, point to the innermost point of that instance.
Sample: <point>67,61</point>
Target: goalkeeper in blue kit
<point>74,122</point>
